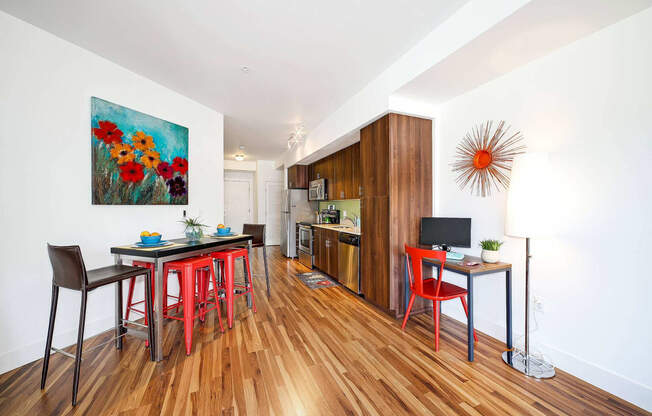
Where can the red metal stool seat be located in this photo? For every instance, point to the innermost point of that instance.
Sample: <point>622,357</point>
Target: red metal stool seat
<point>189,270</point>
<point>227,267</point>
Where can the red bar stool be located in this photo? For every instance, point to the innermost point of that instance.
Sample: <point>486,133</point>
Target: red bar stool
<point>226,260</point>
<point>131,305</point>
<point>192,270</point>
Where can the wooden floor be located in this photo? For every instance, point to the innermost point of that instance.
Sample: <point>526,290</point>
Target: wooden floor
<point>305,352</point>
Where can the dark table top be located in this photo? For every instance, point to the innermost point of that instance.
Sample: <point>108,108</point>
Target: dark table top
<point>461,266</point>
<point>181,246</point>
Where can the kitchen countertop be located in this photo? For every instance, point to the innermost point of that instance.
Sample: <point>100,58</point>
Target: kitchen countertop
<point>339,227</point>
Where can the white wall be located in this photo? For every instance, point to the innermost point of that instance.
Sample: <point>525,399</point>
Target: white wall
<point>46,85</point>
<point>589,105</point>
<point>265,172</point>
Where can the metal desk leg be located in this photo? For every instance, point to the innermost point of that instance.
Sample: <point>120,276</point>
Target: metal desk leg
<point>508,304</point>
<point>469,286</point>
<point>158,310</point>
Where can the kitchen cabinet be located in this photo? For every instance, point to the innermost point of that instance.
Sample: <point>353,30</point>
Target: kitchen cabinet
<point>325,250</point>
<point>342,173</point>
<point>332,253</point>
<point>317,247</point>
<point>396,174</point>
<point>298,177</point>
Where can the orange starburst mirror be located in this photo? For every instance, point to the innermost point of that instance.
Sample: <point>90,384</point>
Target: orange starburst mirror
<point>484,157</point>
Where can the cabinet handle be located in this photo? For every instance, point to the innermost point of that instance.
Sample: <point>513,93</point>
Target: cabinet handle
<point>341,194</point>
<point>359,190</point>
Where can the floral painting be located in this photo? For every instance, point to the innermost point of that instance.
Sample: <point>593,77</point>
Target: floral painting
<point>137,159</point>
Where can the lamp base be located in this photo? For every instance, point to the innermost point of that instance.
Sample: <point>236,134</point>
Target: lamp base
<point>530,366</point>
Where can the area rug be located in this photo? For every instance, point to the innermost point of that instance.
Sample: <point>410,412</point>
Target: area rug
<point>316,280</point>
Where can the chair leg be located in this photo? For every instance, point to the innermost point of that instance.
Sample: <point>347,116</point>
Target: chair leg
<point>217,296</point>
<point>149,305</point>
<point>266,271</point>
<point>118,315</point>
<point>201,291</point>
<point>435,311</point>
<point>407,311</point>
<point>80,342</point>
<point>130,296</point>
<point>227,270</point>
<point>48,342</point>
<point>188,306</point>
<point>466,311</point>
<point>251,282</point>
<point>180,294</point>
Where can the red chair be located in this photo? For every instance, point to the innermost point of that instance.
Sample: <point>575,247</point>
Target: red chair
<point>226,260</point>
<point>434,289</point>
<point>132,306</point>
<point>191,271</point>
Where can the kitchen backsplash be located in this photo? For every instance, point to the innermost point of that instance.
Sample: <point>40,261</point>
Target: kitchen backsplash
<point>351,206</point>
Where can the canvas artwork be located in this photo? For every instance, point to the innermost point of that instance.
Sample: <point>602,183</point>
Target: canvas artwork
<point>137,159</point>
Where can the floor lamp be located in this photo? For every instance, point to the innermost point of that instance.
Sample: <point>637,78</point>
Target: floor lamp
<point>526,218</point>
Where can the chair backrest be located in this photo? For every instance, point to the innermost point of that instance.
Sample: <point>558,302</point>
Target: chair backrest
<point>415,258</point>
<point>68,269</point>
<point>258,231</point>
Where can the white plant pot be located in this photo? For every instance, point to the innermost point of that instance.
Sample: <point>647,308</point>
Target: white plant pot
<point>490,256</point>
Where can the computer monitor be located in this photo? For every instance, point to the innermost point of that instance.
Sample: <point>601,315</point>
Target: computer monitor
<point>446,232</point>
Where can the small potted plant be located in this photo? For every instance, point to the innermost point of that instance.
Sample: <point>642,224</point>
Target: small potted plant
<point>194,228</point>
<point>490,250</point>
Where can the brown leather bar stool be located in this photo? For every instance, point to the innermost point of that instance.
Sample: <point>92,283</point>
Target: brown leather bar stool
<point>70,272</point>
<point>258,233</point>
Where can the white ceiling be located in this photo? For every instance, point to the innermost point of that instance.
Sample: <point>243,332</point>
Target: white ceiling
<point>305,57</point>
<point>535,30</point>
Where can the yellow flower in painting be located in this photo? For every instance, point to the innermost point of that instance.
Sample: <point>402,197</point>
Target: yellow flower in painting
<point>142,141</point>
<point>151,159</point>
<point>123,152</point>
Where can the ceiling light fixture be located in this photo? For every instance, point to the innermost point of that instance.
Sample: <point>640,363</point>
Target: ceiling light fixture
<point>240,155</point>
<point>244,69</point>
<point>297,137</point>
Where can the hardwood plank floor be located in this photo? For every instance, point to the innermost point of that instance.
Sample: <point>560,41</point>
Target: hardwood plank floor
<point>305,352</point>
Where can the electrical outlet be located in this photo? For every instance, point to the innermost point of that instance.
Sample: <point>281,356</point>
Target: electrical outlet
<point>538,304</point>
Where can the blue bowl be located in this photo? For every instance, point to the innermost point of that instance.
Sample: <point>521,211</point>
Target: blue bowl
<point>151,239</point>
<point>225,230</point>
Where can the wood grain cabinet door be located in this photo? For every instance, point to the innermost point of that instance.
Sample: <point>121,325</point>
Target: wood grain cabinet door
<point>333,253</point>
<point>374,158</point>
<point>355,190</point>
<point>374,250</point>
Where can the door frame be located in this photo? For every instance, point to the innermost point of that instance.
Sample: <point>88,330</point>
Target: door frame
<point>250,181</point>
<point>267,184</point>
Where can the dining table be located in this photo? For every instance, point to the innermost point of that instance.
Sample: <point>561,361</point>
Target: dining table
<point>174,249</point>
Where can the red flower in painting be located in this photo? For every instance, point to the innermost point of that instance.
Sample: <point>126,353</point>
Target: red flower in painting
<point>180,165</point>
<point>131,172</point>
<point>108,132</point>
<point>164,170</point>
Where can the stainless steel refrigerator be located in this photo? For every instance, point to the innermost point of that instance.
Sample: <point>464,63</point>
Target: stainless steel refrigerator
<point>295,207</point>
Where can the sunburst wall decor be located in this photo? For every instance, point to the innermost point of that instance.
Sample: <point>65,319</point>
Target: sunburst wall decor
<point>484,157</point>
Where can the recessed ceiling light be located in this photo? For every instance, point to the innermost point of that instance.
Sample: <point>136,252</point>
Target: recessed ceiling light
<point>244,69</point>
<point>240,157</point>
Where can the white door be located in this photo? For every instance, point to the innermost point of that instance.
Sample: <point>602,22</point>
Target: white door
<point>238,203</point>
<point>273,194</point>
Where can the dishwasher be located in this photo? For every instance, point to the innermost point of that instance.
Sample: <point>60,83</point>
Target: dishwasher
<point>349,261</point>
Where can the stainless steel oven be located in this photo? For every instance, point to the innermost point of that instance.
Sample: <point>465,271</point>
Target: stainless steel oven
<point>305,246</point>
<point>317,190</point>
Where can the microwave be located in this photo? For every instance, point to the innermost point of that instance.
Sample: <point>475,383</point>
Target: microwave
<point>317,190</point>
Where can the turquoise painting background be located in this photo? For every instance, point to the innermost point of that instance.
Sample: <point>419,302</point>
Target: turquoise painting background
<point>171,139</point>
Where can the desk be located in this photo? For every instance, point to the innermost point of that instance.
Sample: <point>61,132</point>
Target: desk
<point>457,266</point>
<point>181,249</point>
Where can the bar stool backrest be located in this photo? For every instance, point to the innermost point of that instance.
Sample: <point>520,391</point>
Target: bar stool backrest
<point>68,269</point>
<point>257,231</point>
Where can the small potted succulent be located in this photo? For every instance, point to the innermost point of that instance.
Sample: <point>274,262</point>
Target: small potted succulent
<point>490,250</point>
<point>194,228</point>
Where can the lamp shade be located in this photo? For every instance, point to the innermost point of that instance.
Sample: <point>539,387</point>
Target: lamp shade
<point>528,211</point>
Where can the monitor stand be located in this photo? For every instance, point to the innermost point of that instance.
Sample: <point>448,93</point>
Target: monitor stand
<point>450,255</point>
